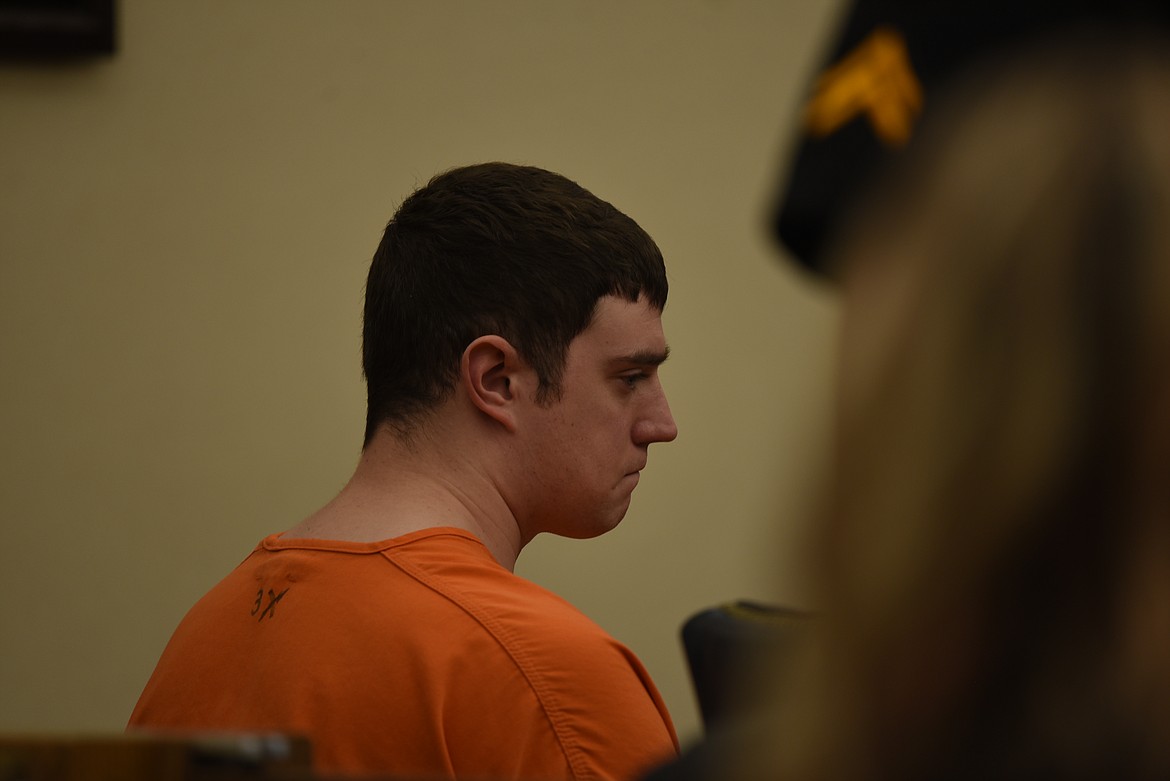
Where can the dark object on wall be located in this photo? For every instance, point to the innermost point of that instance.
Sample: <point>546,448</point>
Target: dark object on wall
<point>56,29</point>
<point>887,62</point>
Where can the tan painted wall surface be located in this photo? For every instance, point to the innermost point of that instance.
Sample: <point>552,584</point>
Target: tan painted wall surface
<point>184,233</point>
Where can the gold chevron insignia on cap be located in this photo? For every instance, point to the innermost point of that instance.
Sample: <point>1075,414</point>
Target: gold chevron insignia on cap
<point>875,79</point>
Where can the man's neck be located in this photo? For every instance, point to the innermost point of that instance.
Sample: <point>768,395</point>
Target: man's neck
<point>400,487</point>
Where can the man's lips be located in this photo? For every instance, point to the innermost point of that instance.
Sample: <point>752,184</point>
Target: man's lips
<point>637,469</point>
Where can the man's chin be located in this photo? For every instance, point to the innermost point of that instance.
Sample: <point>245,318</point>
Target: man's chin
<point>597,526</point>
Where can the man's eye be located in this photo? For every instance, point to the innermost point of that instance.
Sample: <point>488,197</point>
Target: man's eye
<point>632,380</point>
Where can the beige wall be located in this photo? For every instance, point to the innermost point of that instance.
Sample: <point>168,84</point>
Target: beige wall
<point>184,231</point>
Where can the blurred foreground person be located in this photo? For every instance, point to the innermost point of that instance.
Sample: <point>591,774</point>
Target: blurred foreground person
<point>993,564</point>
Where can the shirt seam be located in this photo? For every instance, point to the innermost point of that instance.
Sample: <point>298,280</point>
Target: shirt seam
<point>524,662</point>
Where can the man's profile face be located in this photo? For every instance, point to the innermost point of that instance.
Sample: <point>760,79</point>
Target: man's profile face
<point>585,450</point>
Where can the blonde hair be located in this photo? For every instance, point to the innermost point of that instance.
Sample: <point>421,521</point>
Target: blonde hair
<point>995,556</point>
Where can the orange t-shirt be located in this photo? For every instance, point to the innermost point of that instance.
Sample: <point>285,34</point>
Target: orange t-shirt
<point>418,656</point>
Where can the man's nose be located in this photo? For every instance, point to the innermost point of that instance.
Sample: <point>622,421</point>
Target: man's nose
<point>657,425</point>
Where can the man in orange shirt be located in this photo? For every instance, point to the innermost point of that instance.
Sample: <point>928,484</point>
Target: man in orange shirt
<point>511,345</point>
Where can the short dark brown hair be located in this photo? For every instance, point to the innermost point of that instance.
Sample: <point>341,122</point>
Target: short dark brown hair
<point>493,248</point>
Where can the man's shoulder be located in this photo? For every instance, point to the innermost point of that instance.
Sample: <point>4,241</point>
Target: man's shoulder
<point>531,623</point>
<point>470,602</point>
<point>460,568</point>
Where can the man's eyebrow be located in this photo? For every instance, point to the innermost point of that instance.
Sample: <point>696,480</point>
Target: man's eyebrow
<point>648,357</point>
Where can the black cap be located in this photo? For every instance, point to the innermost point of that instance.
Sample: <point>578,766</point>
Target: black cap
<point>887,62</point>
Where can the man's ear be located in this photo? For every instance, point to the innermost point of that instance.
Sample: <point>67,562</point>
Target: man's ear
<point>489,370</point>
